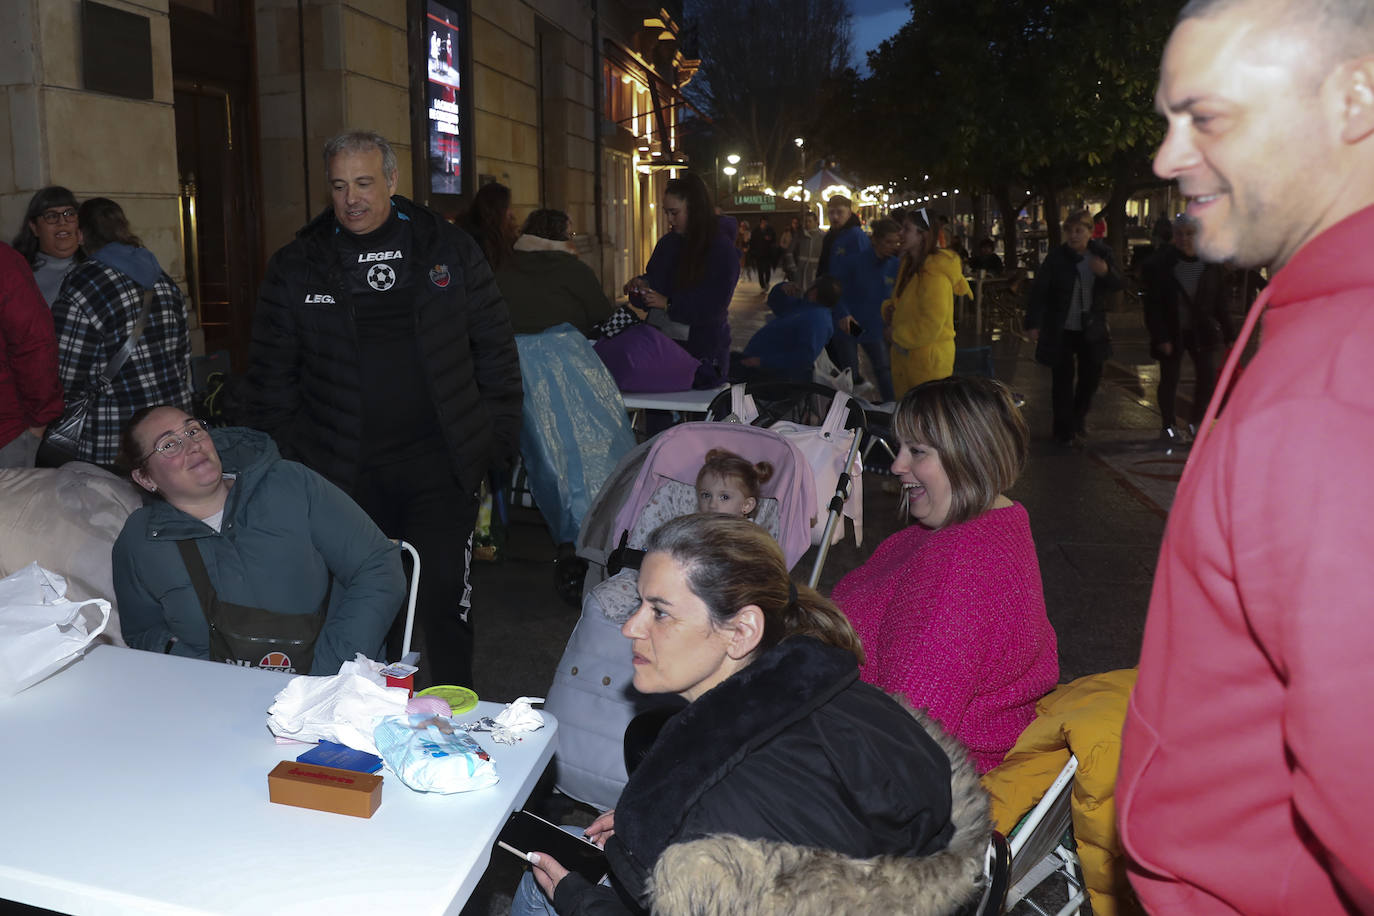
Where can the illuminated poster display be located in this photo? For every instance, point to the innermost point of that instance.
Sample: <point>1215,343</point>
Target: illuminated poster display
<point>444,87</point>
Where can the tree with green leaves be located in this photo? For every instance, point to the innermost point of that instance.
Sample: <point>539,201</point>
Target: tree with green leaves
<point>1004,95</point>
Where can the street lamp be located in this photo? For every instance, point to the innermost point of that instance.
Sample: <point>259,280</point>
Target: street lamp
<point>733,159</point>
<point>730,171</point>
<point>801,179</point>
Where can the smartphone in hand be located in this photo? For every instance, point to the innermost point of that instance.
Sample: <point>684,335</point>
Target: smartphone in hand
<point>525,833</point>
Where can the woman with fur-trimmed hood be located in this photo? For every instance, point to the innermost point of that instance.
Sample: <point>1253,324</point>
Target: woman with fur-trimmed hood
<point>787,784</point>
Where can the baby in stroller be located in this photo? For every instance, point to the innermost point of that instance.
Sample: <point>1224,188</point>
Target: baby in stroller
<point>688,468</point>
<point>729,485</point>
<point>726,484</point>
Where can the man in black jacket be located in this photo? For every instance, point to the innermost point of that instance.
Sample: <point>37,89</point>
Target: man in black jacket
<point>1185,312</point>
<point>1067,318</point>
<point>763,251</point>
<point>383,358</point>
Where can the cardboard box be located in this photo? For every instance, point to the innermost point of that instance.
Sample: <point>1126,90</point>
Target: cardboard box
<point>306,785</point>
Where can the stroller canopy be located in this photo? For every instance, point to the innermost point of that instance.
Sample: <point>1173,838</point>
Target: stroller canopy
<point>679,452</point>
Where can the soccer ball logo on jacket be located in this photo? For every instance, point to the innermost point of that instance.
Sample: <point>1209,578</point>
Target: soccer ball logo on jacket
<point>381,277</point>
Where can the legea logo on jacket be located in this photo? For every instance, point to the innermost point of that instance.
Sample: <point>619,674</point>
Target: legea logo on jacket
<point>317,298</point>
<point>369,256</point>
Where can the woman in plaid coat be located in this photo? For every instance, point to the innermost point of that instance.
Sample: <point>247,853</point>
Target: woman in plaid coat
<point>95,313</point>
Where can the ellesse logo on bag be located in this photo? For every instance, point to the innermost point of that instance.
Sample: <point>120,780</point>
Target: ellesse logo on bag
<point>277,661</point>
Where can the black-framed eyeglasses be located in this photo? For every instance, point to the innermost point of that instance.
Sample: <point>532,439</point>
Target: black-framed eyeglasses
<point>172,444</point>
<point>53,217</point>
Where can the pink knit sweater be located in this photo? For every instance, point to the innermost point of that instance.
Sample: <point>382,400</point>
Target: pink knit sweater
<point>955,620</point>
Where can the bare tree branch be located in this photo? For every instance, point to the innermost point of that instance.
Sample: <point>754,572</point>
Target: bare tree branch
<point>763,66</point>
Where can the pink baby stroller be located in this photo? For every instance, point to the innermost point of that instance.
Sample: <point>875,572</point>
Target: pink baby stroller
<point>592,696</point>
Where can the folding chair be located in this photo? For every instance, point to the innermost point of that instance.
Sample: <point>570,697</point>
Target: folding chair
<point>1042,846</point>
<point>414,589</point>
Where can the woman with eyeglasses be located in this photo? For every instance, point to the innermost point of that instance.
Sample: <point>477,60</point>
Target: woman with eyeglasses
<point>244,557</point>
<point>97,311</point>
<point>50,239</point>
<point>919,318</point>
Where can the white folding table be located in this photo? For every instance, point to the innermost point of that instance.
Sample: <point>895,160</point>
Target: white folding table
<point>684,405</point>
<point>137,783</point>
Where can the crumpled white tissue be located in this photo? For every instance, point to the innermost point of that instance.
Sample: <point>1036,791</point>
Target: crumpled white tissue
<point>510,723</point>
<point>365,667</point>
<point>343,708</point>
<point>520,717</point>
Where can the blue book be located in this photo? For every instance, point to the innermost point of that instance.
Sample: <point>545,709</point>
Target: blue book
<point>329,754</point>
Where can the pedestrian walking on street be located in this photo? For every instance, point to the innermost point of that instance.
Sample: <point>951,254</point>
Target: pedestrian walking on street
<point>787,243</point>
<point>1186,311</point>
<point>763,249</point>
<point>1067,318</point>
<point>1244,779</point>
<point>742,236</point>
<point>383,358</point>
<point>806,250</point>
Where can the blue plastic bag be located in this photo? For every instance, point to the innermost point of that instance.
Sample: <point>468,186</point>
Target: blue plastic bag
<point>575,429</point>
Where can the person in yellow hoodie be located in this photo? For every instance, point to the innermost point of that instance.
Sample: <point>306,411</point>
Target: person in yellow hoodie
<point>919,318</point>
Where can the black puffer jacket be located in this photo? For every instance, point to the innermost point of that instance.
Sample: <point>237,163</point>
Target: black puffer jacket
<point>303,378</point>
<point>794,749</point>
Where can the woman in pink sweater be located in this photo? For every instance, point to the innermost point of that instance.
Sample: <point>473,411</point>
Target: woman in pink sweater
<point>950,610</point>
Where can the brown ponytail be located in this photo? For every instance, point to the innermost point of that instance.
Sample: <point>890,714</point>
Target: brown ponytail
<point>731,563</point>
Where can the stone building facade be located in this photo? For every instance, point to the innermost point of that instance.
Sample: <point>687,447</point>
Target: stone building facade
<point>221,165</point>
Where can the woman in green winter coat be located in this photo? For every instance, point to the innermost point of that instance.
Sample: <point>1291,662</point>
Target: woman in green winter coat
<point>245,557</point>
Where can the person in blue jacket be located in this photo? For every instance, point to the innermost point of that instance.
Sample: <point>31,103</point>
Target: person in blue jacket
<point>245,557</point>
<point>867,273</point>
<point>865,270</point>
<point>692,274</point>
<point>787,346</point>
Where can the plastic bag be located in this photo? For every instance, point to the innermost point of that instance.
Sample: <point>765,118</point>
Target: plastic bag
<point>40,630</point>
<point>431,754</point>
<point>644,359</point>
<point>574,430</point>
<point>825,372</point>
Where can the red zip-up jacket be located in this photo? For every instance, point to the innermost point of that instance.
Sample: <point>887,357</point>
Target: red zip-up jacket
<point>30,393</point>
<point>1244,783</point>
